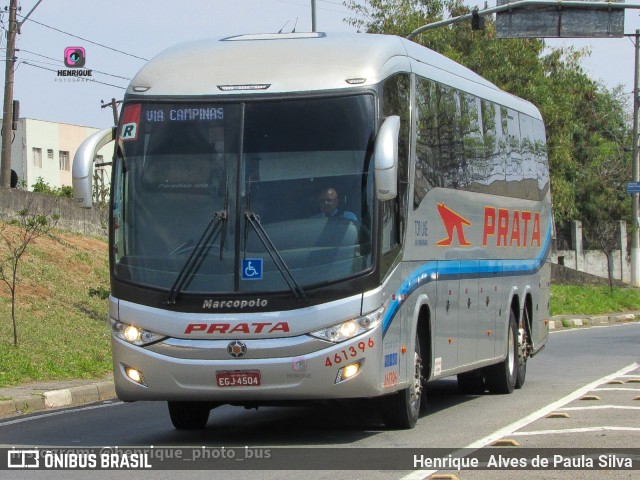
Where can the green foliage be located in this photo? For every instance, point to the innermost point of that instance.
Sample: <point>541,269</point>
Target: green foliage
<point>43,187</point>
<point>587,126</point>
<point>29,226</point>
<point>100,292</point>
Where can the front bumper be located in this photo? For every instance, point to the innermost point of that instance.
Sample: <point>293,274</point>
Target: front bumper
<point>294,376</point>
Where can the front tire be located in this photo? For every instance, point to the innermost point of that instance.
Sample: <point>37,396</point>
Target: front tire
<point>189,415</point>
<point>502,377</point>
<point>402,409</point>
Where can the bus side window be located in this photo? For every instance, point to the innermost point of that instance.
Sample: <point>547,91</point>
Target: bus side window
<point>396,95</point>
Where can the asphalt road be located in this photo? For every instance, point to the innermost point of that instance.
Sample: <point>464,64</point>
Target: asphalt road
<point>575,363</point>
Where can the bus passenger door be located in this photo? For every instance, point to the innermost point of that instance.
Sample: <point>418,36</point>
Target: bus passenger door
<point>447,310</point>
<point>468,316</point>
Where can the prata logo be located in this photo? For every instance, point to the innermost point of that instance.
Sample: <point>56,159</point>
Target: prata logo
<point>453,222</point>
<point>503,227</point>
<point>75,57</point>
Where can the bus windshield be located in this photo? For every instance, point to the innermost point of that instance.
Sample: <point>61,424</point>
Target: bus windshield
<point>243,197</point>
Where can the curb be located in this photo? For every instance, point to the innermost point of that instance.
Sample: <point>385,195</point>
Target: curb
<point>65,397</point>
<point>563,322</point>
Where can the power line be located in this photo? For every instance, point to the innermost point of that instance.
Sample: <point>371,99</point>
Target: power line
<point>60,62</point>
<point>319,8</point>
<point>87,40</point>
<point>83,78</point>
<point>93,71</point>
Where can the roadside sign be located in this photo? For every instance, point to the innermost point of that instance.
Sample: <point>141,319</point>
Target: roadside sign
<point>603,19</point>
<point>633,187</point>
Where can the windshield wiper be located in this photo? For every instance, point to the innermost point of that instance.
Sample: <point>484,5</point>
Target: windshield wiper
<point>197,254</point>
<point>254,221</point>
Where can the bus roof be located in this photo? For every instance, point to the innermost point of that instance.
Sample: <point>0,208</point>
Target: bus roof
<point>298,63</point>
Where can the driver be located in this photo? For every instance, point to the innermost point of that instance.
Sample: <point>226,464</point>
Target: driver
<point>329,205</point>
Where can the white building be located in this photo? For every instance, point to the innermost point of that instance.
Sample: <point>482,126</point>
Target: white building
<point>43,149</point>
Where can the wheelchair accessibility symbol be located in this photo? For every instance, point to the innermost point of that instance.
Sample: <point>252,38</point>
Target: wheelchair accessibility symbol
<point>252,269</point>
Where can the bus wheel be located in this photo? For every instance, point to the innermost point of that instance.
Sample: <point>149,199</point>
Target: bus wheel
<point>523,348</point>
<point>401,410</point>
<point>189,415</point>
<point>502,377</point>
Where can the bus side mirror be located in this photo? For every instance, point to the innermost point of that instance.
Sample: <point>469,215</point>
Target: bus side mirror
<point>386,159</point>
<point>82,172</point>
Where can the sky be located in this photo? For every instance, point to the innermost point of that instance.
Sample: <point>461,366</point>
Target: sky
<point>118,36</point>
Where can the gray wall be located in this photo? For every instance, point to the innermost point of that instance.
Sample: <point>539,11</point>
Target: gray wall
<point>91,222</point>
<point>594,262</point>
<point>561,275</point>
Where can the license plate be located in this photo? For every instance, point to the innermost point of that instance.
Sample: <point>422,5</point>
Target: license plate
<point>238,378</point>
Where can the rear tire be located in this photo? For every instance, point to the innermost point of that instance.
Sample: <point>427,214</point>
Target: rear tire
<point>189,415</point>
<point>402,409</point>
<point>502,377</point>
<point>523,348</point>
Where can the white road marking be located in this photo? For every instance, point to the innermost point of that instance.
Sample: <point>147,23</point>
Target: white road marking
<point>600,407</point>
<point>58,412</point>
<point>604,389</point>
<point>577,430</point>
<point>517,425</point>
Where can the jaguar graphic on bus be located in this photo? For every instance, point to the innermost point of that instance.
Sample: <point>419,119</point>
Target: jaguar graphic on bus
<point>355,207</point>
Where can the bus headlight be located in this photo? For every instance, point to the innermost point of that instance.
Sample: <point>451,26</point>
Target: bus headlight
<point>350,328</point>
<point>134,335</point>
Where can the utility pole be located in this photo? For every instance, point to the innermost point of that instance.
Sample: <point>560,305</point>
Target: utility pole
<point>7,111</point>
<point>635,231</point>
<point>313,16</point>
<point>114,105</point>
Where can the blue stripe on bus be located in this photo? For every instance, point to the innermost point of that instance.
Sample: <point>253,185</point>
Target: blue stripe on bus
<point>457,269</point>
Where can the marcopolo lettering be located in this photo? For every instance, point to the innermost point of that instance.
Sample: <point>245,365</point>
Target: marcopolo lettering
<point>215,304</point>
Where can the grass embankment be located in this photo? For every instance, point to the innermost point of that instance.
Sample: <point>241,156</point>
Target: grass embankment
<point>62,329</point>
<point>592,300</point>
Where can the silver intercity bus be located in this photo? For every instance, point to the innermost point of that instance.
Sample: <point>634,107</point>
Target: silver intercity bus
<point>311,216</point>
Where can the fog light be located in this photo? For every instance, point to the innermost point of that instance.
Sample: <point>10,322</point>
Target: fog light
<point>135,375</point>
<point>347,372</point>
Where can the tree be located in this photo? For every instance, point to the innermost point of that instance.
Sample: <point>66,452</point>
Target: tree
<point>602,237</point>
<point>586,124</point>
<point>101,200</point>
<point>28,227</point>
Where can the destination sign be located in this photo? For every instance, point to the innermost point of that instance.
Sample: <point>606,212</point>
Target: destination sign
<point>185,114</point>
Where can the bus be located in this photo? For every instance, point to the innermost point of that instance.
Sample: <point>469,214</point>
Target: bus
<point>308,217</point>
